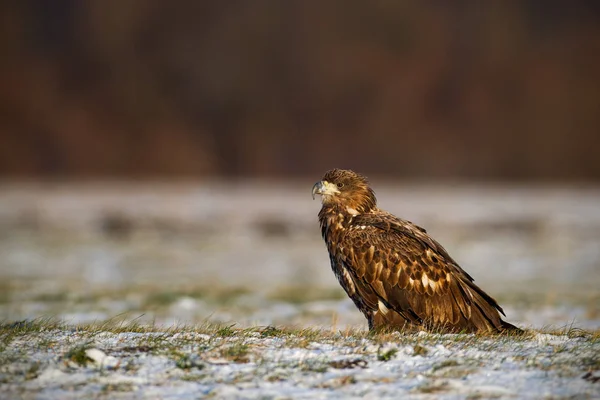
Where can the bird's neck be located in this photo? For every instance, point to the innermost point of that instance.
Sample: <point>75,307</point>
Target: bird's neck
<point>334,220</point>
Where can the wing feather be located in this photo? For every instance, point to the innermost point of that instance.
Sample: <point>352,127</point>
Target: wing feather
<point>402,279</point>
<point>397,263</point>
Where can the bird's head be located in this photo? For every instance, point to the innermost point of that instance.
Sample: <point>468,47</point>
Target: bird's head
<point>346,189</point>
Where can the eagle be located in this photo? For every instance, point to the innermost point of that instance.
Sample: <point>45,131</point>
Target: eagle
<point>397,275</point>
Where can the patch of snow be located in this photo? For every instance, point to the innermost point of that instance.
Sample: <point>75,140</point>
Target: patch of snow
<point>101,359</point>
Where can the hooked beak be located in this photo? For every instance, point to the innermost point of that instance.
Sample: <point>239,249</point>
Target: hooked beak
<point>324,188</point>
<point>317,189</point>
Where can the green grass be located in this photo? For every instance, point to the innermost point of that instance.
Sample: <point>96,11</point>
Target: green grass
<point>121,324</point>
<point>185,361</point>
<point>237,352</point>
<point>271,331</point>
<point>226,331</point>
<point>386,355</point>
<point>10,330</point>
<point>77,354</point>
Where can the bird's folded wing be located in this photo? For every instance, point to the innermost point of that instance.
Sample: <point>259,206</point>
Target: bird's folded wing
<point>412,274</point>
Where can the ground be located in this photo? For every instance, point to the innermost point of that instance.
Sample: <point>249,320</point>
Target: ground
<point>223,289</point>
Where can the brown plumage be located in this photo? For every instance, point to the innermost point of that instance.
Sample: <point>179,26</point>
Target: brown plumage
<point>396,274</point>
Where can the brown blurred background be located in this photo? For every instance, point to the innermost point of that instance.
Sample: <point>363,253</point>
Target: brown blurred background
<point>464,89</point>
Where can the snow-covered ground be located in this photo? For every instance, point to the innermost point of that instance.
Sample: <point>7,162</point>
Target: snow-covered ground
<point>62,363</point>
<point>250,254</point>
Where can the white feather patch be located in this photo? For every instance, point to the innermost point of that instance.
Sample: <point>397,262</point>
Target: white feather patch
<point>352,211</point>
<point>384,310</point>
<point>350,282</point>
<point>426,281</point>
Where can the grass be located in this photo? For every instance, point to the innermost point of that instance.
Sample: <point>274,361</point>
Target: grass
<point>225,331</point>
<point>233,345</point>
<point>77,354</point>
<point>419,350</point>
<point>118,387</point>
<point>237,352</point>
<point>122,324</point>
<point>386,355</point>
<point>12,330</point>
<point>271,331</point>
<point>33,371</point>
<point>186,361</point>
<point>277,353</point>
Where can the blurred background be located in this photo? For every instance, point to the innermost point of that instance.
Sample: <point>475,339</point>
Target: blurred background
<point>156,157</point>
<point>505,90</point>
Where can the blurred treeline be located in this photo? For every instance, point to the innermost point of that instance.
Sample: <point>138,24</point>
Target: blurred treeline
<point>471,89</point>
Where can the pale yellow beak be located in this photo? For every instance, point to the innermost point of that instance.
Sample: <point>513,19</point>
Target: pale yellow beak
<point>324,188</point>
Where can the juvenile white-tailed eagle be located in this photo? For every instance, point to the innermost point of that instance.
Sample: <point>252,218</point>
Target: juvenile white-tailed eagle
<point>396,274</point>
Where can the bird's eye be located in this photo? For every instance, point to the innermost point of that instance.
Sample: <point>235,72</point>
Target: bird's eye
<point>340,185</point>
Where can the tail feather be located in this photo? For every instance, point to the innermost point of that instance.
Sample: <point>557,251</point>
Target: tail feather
<point>507,326</point>
<point>486,314</point>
